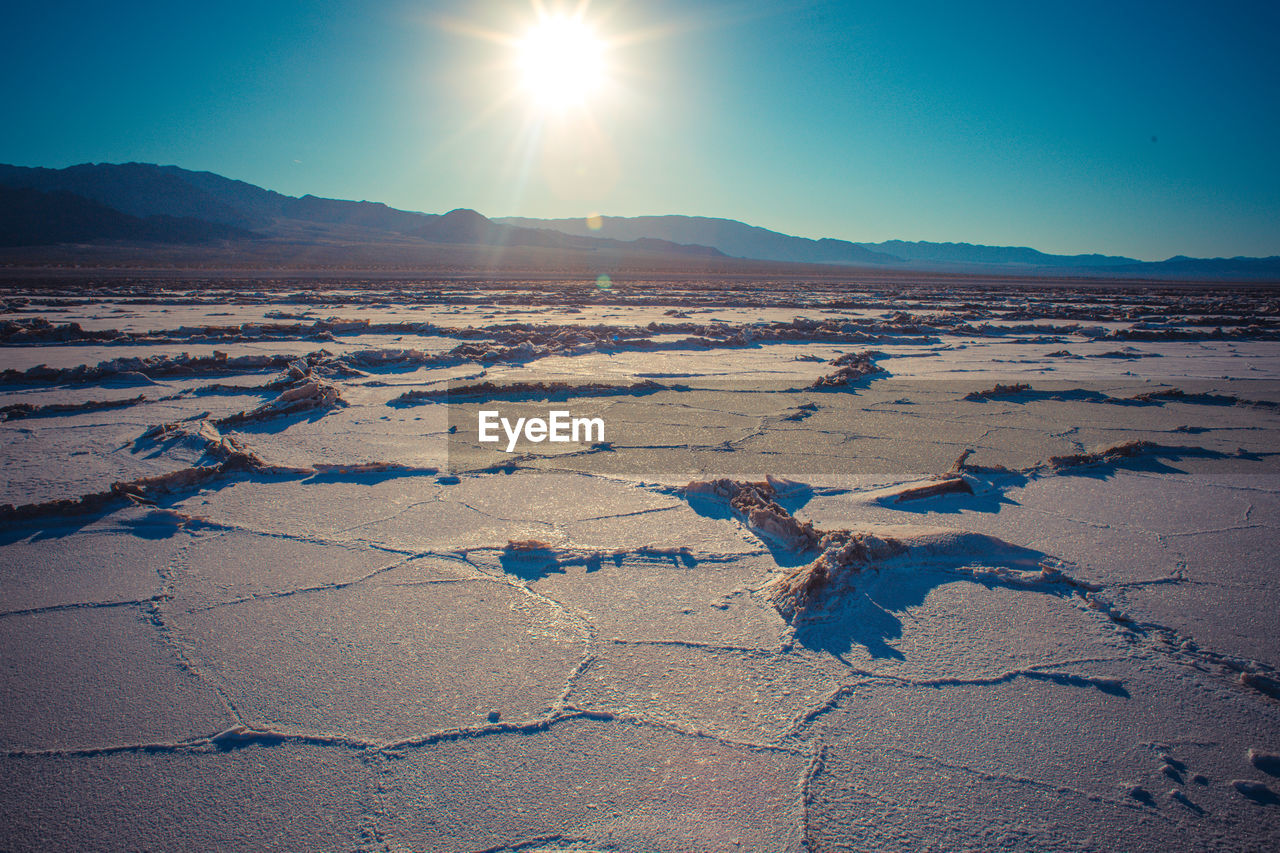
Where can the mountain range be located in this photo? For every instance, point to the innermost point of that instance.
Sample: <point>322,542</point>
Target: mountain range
<point>740,240</point>
<point>143,204</point>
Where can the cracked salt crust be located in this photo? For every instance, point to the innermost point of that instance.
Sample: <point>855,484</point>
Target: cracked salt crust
<point>336,630</point>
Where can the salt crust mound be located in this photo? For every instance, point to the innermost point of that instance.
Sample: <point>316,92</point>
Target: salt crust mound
<point>852,367</point>
<point>311,394</point>
<point>808,592</point>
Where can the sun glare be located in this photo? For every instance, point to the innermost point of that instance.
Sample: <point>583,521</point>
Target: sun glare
<point>561,62</point>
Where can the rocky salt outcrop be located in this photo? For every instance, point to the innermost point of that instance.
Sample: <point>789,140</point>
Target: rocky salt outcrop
<point>999,390</point>
<point>229,457</point>
<point>1117,453</point>
<point>146,369</point>
<point>852,367</point>
<point>943,485</point>
<point>309,395</point>
<point>754,503</point>
<point>814,590</point>
<point>16,411</point>
<point>802,592</point>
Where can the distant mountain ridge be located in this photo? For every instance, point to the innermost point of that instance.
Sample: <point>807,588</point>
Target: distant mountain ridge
<point>737,239</point>
<point>121,196</point>
<point>740,240</point>
<point>733,238</point>
<point>150,204</point>
<point>970,253</point>
<point>30,217</point>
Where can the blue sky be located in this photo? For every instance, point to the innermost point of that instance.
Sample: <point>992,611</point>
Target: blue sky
<point>1144,129</point>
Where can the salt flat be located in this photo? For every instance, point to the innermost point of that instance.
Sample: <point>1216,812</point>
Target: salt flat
<point>1006,582</point>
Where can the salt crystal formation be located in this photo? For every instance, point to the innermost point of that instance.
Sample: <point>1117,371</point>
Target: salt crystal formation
<point>853,367</point>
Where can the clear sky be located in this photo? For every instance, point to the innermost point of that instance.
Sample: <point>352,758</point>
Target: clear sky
<point>1143,129</point>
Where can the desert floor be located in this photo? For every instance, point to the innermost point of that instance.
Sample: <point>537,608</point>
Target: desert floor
<point>953,566</point>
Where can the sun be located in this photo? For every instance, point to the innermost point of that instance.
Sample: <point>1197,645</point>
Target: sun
<point>561,62</point>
